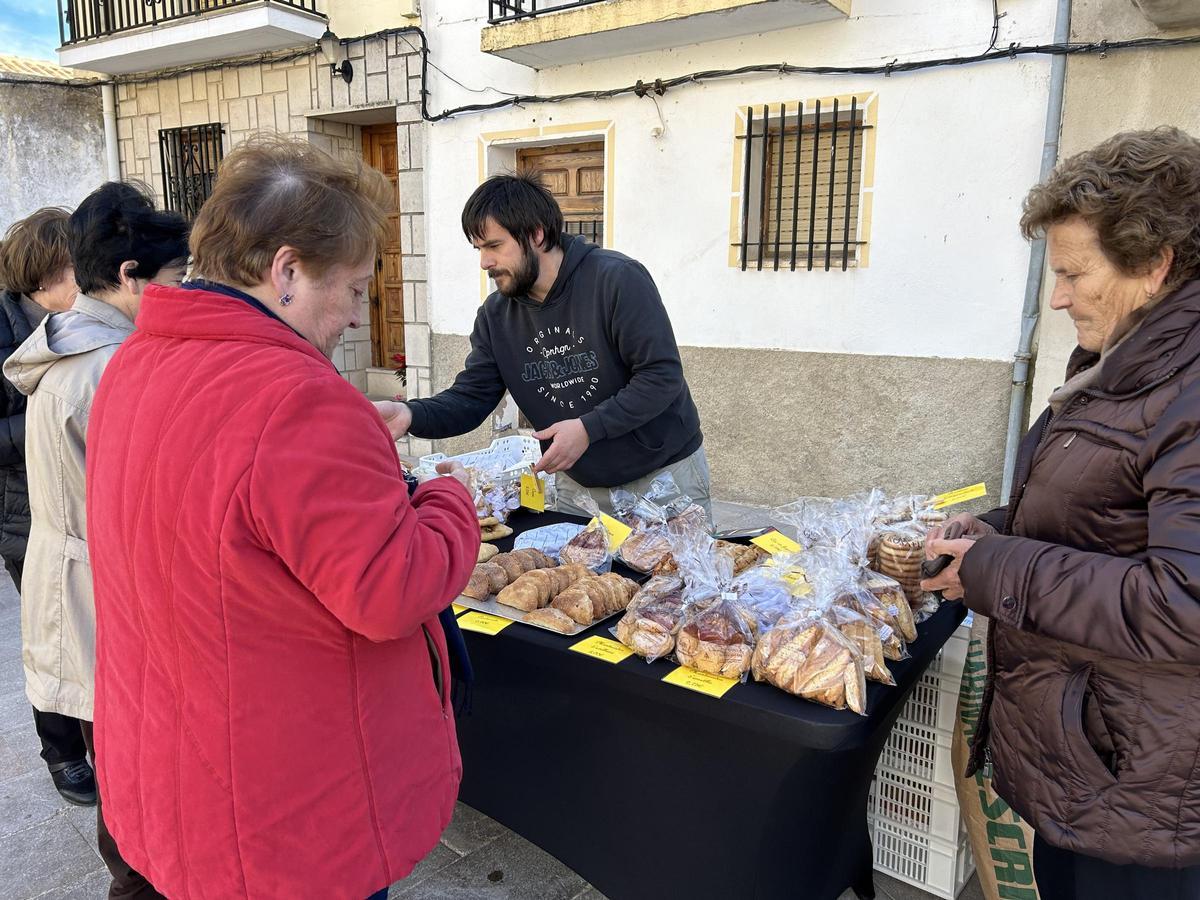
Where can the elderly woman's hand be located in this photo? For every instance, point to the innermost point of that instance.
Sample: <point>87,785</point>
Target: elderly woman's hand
<point>947,582</point>
<point>962,525</point>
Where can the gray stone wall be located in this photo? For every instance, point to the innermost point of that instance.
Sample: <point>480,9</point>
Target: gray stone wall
<point>782,424</point>
<point>51,147</point>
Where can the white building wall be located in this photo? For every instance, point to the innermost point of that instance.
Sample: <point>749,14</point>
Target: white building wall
<point>957,148</point>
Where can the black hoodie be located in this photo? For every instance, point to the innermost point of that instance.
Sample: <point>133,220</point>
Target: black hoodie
<point>600,348</point>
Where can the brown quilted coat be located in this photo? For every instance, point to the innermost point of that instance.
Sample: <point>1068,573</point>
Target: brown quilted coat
<point>1092,712</point>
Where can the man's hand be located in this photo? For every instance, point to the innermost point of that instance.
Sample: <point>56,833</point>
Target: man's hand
<point>396,416</point>
<point>948,581</point>
<point>568,441</point>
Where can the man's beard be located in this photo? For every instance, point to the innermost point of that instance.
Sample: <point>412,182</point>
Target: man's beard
<point>523,279</point>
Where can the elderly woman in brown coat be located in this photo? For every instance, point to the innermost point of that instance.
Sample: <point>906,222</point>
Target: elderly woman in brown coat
<point>1091,575</point>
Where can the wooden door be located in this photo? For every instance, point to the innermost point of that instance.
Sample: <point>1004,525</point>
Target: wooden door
<point>574,173</point>
<point>386,291</point>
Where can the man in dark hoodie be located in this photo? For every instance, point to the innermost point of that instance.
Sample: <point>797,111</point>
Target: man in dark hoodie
<point>580,337</point>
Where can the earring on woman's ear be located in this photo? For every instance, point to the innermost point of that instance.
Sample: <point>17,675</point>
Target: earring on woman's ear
<point>285,300</point>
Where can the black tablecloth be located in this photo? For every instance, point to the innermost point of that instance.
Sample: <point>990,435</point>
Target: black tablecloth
<point>651,790</point>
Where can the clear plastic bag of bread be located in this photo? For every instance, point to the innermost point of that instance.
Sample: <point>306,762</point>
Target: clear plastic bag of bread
<point>648,515</point>
<point>806,654</point>
<point>589,548</point>
<point>717,632</point>
<point>652,619</point>
<point>838,594</point>
<point>771,592</point>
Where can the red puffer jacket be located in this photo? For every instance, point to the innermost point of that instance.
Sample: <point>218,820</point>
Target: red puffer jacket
<point>272,690</point>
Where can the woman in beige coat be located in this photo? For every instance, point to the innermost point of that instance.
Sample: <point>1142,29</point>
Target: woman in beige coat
<point>119,244</point>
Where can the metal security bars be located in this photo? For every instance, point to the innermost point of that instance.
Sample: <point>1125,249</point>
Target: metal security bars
<point>84,20</point>
<point>189,157</point>
<point>512,10</point>
<point>592,229</point>
<point>801,181</point>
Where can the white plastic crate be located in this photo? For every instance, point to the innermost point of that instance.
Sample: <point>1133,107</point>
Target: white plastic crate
<point>923,807</point>
<point>933,702</point>
<point>511,454</point>
<point>938,867</point>
<point>920,752</point>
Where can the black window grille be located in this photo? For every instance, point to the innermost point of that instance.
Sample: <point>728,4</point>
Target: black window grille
<point>592,229</point>
<point>801,186</point>
<point>190,157</point>
<point>512,10</point>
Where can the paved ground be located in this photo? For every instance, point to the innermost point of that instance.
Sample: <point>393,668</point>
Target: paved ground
<point>48,848</point>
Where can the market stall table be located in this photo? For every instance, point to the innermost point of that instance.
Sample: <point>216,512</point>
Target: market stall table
<point>649,790</point>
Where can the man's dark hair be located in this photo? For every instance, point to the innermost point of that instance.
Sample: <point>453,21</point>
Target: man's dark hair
<point>520,204</point>
<point>118,222</point>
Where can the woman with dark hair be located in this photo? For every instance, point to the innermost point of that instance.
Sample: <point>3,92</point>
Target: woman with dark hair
<point>119,244</point>
<point>1090,577</point>
<point>37,278</point>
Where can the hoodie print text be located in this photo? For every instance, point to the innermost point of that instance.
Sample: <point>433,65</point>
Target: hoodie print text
<point>561,368</point>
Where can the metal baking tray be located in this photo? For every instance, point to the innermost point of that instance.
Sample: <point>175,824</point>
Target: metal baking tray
<point>496,608</point>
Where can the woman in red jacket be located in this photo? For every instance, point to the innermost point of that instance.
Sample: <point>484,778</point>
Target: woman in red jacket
<point>272,690</point>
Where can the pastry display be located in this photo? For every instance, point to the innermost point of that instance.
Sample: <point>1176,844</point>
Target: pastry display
<point>551,618</point>
<point>744,556</point>
<point>496,574</point>
<point>646,548</point>
<point>811,658</point>
<point>889,592</point>
<point>717,637</point>
<point>595,597</point>
<point>652,620</point>
<point>486,552</point>
<point>866,634</point>
<point>536,588</point>
<point>588,548</point>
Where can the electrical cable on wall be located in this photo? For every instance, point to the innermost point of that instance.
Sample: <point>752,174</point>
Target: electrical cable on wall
<point>660,85</point>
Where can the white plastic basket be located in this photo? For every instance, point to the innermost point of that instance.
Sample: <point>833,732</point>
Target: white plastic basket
<point>938,867</point>
<point>510,454</point>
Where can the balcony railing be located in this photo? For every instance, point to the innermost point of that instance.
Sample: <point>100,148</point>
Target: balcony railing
<point>85,20</point>
<point>513,10</point>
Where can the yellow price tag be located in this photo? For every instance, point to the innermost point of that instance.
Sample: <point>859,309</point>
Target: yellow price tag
<point>774,542</point>
<point>602,648</point>
<point>484,623</point>
<point>618,532</point>
<point>962,495</point>
<point>457,610</point>
<point>713,685</point>
<point>533,493</point>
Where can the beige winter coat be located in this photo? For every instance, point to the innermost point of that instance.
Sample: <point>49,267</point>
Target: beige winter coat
<point>59,367</point>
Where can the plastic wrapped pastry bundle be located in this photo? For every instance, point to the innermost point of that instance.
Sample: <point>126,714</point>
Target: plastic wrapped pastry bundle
<point>648,548</point>
<point>807,655</point>
<point>838,594</point>
<point>497,493</point>
<point>653,617</point>
<point>590,547</point>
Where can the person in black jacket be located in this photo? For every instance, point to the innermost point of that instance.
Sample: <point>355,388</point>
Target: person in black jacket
<point>580,337</point>
<point>36,277</point>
